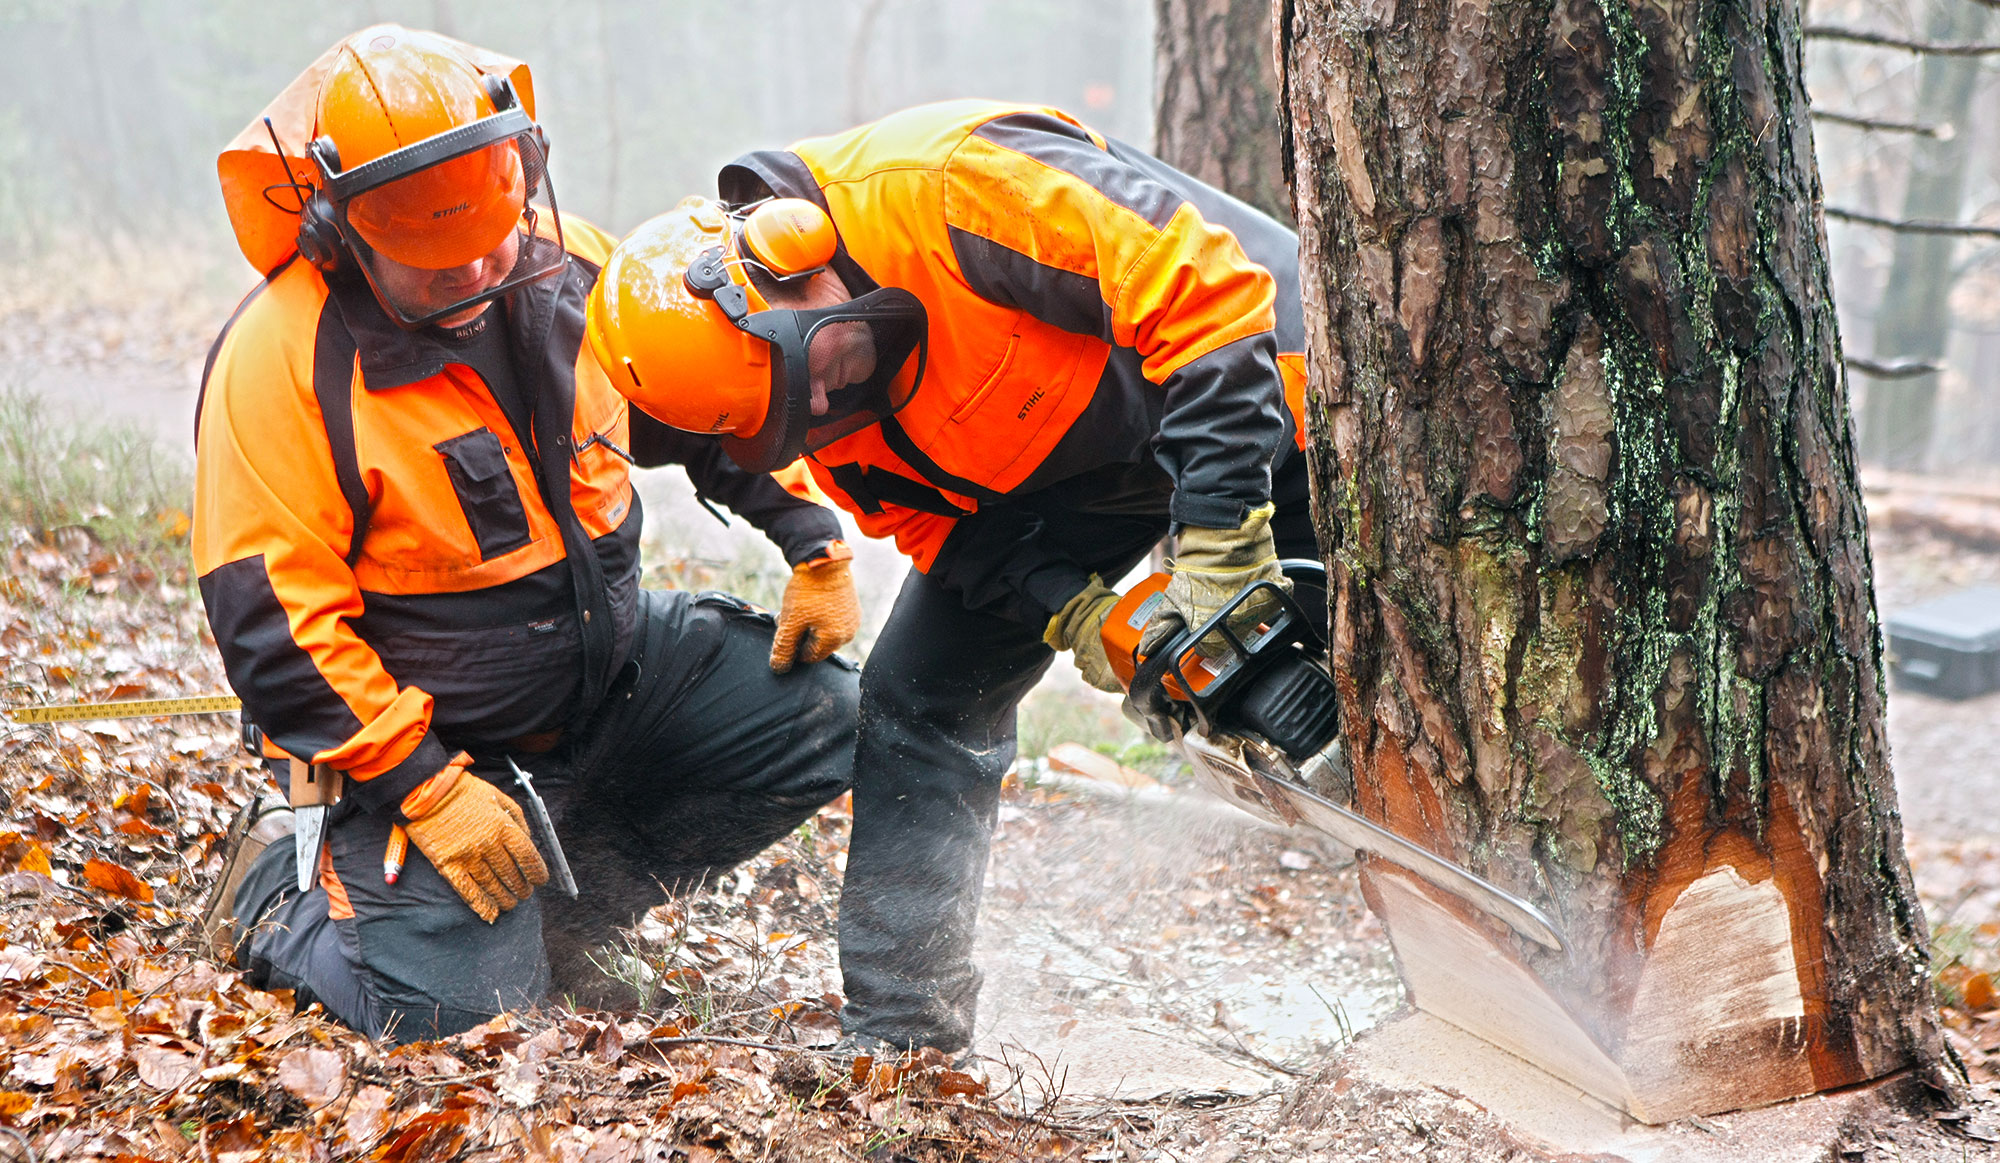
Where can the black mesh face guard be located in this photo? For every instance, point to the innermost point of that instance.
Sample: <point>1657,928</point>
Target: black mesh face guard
<point>416,297</point>
<point>898,328</point>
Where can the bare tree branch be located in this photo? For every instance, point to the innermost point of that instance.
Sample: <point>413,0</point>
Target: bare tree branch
<point>1939,132</point>
<point>1858,36</point>
<point>1913,225</point>
<point>1901,369</point>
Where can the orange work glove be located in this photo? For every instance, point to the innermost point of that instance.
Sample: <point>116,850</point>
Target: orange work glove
<point>476,837</point>
<point>820,613</point>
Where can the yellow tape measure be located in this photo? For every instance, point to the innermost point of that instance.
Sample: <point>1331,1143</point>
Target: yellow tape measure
<point>128,709</point>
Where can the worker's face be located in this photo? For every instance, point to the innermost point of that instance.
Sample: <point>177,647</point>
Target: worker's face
<point>421,291</point>
<point>841,353</point>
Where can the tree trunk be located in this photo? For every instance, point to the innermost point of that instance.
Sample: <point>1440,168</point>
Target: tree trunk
<point>1215,98</point>
<point>1915,319</point>
<point>1603,616</point>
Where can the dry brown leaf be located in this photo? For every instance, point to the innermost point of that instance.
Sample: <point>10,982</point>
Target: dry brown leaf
<point>1979,993</point>
<point>116,880</point>
<point>610,1147</point>
<point>427,1138</point>
<point>162,1068</point>
<point>610,1044</point>
<point>367,1116</point>
<point>316,1076</point>
<point>14,1102</point>
<point>17,963</point>
<point>37,860</point>
<point>953,1082</point>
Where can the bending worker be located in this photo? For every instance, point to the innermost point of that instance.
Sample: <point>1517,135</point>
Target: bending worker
<point>418,546</point>
<point>1023,351</point>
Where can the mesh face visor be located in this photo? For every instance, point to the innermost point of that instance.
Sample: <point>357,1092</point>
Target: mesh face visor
<point>454,220</point>
<point>870,353</point>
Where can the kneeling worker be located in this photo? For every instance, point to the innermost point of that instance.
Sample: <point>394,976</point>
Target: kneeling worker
<point>418,548</point>
<point>1023,351</point>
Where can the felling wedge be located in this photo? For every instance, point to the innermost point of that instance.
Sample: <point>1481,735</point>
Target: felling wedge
<point>1254,710</point>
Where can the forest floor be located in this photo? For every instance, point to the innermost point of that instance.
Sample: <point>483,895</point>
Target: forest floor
<point>1164,981</point>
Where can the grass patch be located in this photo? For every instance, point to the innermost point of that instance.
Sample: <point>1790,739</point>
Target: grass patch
<point>1058,713</point>
<point>109,480</point>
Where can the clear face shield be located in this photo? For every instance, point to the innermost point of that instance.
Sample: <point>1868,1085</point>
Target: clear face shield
<point>449,223</point>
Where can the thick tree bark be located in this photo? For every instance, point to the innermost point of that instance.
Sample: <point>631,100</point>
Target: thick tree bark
<point>1915,317</point>
<point>1215,98</point>
<point>1603,616</point>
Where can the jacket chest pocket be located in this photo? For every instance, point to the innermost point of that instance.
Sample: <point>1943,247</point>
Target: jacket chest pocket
<point>486,493</point>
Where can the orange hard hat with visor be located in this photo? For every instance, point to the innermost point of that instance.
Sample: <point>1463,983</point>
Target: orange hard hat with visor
<point>680,323</point>
<point>426,165</point>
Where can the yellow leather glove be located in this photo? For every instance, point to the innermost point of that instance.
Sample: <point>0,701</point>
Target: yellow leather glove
<point>476,837</point>
<point>820,613</point>
<point>1079,628</point>
<point>1213,566</point>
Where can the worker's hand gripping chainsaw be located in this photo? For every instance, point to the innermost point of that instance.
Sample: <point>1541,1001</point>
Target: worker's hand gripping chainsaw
<point>1256,712</point>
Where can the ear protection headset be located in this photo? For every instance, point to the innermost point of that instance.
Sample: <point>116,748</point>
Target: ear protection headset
<point>789,237</point>
<point>319,240</point>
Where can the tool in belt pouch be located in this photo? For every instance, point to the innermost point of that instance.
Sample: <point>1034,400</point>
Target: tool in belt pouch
<point>313,789</point>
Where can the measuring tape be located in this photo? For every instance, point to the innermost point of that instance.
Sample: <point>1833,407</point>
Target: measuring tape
<point>128,709</point>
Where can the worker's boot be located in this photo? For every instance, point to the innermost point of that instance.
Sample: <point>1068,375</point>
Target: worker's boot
<point>258,824</point>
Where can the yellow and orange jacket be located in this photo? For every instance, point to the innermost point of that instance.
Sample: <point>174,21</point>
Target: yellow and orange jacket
<point>1100,324</point>
<point>387,573</point>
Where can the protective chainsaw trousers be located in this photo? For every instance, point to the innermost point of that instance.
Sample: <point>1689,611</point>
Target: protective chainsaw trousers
<point>937,734</point>
<point>698,758</point>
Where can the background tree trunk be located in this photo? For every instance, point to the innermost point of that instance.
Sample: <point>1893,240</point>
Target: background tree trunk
<point>1215,98</point>
<point>1602,600</point>
<point>1915,317</point>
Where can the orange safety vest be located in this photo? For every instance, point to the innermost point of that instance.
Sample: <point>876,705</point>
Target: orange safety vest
<point>1088,307</point>
<point>355,486</point>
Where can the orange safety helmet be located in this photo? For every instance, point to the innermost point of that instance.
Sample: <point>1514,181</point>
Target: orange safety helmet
<point>678,322</point>
<point>427,164</point>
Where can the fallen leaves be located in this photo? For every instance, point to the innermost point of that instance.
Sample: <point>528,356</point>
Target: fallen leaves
<point>116,880</point>
<point>118,1042</point>
<point>316,1077</point>
<point>164,1069</point>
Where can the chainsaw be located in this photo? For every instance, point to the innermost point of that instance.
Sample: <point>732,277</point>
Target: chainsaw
<point>1255,710</point>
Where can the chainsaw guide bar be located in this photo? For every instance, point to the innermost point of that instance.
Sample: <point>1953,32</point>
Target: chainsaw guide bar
<point>1226,765</point>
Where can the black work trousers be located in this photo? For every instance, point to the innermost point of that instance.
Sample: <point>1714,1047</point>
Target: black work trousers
<point>938,701</point>
<point>698,758</point>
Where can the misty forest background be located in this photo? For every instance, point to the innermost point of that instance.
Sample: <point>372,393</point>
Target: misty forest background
<point>113,110</point>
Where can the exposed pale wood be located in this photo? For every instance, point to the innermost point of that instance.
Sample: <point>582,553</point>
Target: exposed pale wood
<point>1454,967</point>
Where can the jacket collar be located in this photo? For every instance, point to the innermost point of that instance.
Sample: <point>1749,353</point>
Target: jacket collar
<point>392,357</point>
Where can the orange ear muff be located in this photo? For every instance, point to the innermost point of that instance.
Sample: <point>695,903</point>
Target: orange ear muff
<point>790,236</point>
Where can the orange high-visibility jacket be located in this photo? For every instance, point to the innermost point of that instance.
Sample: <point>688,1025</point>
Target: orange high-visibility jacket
<point>1099,323</point>
<point>461,614</point>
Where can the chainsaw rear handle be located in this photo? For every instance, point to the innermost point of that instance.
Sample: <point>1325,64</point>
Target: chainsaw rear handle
<point>1176,672</point>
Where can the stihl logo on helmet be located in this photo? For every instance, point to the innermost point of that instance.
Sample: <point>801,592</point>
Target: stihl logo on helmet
<point>432,178</point>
